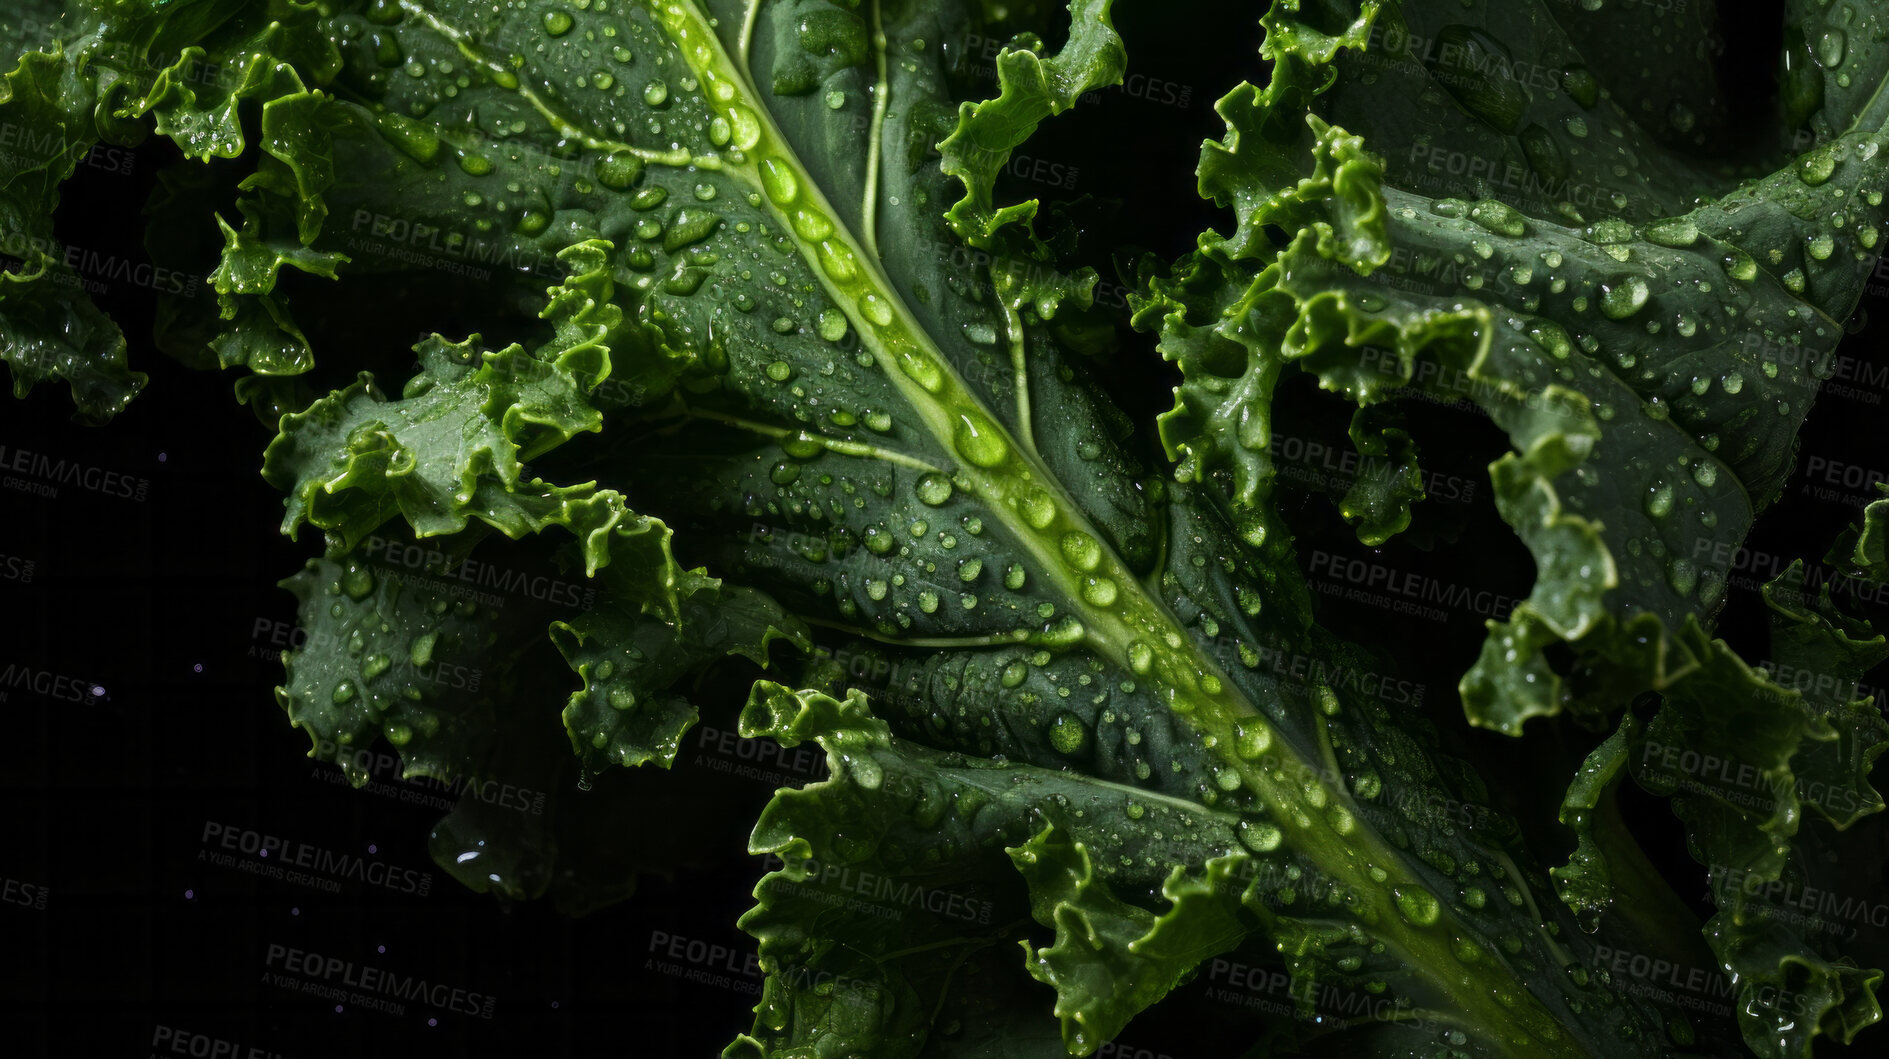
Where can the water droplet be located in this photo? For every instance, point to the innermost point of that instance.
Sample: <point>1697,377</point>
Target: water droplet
<point>814,227</point>
<point>1623,296</point>
<point>1581,85</point>
<point>557,23</point>
<point>875,309</point>
<point>1815,168</point>
<point>1675,232</point>
<point>357,581</point>
<point>778,180</point>
<point>1251,738</point>
<point>934,489</point>
<point>922,369</point>
<point>976,439</point>
<point>1080,550</point>
<point>1368,785</point>
<point>744,128</point>
<point>1260,836</point>
<point>1037,508</point>
<point>1683,576</point>
<point>619,169</point>
<point>1498,217</point>
<point>1013,674</point>
<point>1417,905</point>
<point>1067,733</point>
<point>1659,500</point>
<point>1830,48</point>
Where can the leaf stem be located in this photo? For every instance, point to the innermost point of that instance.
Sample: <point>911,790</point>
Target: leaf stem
<point>839,445</point>
<point>881,94</point>
<point>940,643</point>
<point>1013,332</point>
<point>747,36</point>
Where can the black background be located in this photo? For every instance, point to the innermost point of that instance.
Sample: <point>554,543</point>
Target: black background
<point>104,804</point>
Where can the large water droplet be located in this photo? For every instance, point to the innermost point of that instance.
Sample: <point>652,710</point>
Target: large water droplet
<point>1067,733</point>
<point>1417,905</point>
<point>934,489</point>
<point>778,180</point>
<point>976,439</point>
<point>1080,550</point>
<point>1260,836</point>
<point>1623,296</point>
